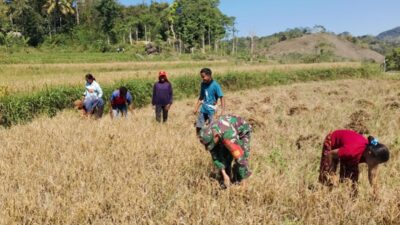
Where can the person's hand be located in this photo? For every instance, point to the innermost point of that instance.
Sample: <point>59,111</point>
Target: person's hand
<point>227,180</point>
<point>167,107</point>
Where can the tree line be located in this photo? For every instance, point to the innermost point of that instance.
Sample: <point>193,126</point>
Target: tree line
<point>184,25</point>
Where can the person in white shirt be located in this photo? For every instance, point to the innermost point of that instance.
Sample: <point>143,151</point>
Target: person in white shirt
<point>92,96</point>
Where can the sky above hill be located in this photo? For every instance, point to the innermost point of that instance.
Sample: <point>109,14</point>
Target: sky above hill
<point>265,17</point>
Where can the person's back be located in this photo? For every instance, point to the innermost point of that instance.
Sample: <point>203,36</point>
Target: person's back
<point>351,145</point>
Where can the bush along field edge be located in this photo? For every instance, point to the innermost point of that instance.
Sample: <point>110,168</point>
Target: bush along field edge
<point>23,107</point>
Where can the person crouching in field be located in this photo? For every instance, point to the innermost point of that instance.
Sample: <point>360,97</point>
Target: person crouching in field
<point>210,92</point>
<point>350,149</point>
<point>93,103</point>
<point>120,101</point>
<point>162,96</point>
<point>228,138</point>
<point>96,113</point>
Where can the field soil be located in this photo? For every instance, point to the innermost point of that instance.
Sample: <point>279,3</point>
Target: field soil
<point>70,170</point>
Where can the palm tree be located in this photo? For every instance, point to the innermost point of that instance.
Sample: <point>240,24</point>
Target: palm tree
<point>59,7</point>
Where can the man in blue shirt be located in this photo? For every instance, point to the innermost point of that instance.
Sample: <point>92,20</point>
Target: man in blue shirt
<point>210,92</point>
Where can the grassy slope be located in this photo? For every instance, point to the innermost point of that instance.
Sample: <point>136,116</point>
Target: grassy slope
<point>72,171</point>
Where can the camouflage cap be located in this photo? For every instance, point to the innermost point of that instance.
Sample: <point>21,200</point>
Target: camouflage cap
<point>207,138</point>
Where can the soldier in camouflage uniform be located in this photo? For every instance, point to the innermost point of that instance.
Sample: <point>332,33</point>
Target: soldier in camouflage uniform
<point>228,139</point>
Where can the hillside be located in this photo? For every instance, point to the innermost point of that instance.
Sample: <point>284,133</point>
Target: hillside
<point>390,35</point>
<point>314,44</point>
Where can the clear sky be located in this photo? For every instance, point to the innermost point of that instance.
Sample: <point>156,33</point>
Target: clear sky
<point>265,17</point>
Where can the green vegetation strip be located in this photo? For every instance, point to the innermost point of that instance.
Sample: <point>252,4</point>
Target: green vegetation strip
<point>23,107</point>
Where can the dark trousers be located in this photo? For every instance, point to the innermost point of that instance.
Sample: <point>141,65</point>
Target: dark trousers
<point>161,109</point>
<point>327,169</point>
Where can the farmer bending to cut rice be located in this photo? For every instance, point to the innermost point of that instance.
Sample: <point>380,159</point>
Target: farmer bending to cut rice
<point>120,101</point>
<point>228,139</point>
<point>350,149</point>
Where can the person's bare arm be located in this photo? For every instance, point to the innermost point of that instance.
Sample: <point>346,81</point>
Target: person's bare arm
<point>333,154</point>
<point>372,173</point>
<point>197,106</point>
<point>222,106</point>
<point>227,180</point>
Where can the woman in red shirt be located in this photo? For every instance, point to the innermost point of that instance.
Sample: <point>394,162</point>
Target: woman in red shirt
<point>349,149</point>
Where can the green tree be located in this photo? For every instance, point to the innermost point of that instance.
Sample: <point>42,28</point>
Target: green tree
<point>393,60</point>
<point>199,21</point>
<point>25,17</point>
<point>57,9</point>
<point>4,19</point>
<point>109,11</point>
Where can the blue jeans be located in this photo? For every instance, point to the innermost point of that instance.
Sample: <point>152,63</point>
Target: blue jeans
<point>203,118</point>
<point>91,103</point>
<point>120,109</point>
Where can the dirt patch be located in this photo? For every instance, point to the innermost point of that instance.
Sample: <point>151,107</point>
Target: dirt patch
<point>343,85</point>
<point>297,110</point>
<point>333,93</point>
<point>317,90</point>
<point>251,109</point>
<point>256,123</point>
<point>392,105</point>
<point>364,103</point>
<point>265,109</point>
<point>318,109</point>
<point>266,100</point>
<point>311,139</point>
<point>236,101</point>
<point>390,99</point>
<point>358,127</point>
<point>357,122</point>
<point>359,116</point>
<point>292,96</point>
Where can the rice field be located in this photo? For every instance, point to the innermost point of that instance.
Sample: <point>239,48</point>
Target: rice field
<point>70,170</point>
<point>33,77</point>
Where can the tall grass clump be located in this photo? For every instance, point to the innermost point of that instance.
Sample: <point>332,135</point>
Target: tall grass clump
<point>23,107</point>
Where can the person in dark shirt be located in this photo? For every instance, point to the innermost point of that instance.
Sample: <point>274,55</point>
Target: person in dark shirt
<point>162,96</point>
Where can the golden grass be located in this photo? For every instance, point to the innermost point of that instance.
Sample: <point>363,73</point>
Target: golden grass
<point>67,170</point>
<point>30,77</point>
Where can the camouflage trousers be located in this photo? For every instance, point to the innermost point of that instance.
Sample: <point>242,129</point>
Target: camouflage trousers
<point>327,169</point>
<point>223,159</point>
